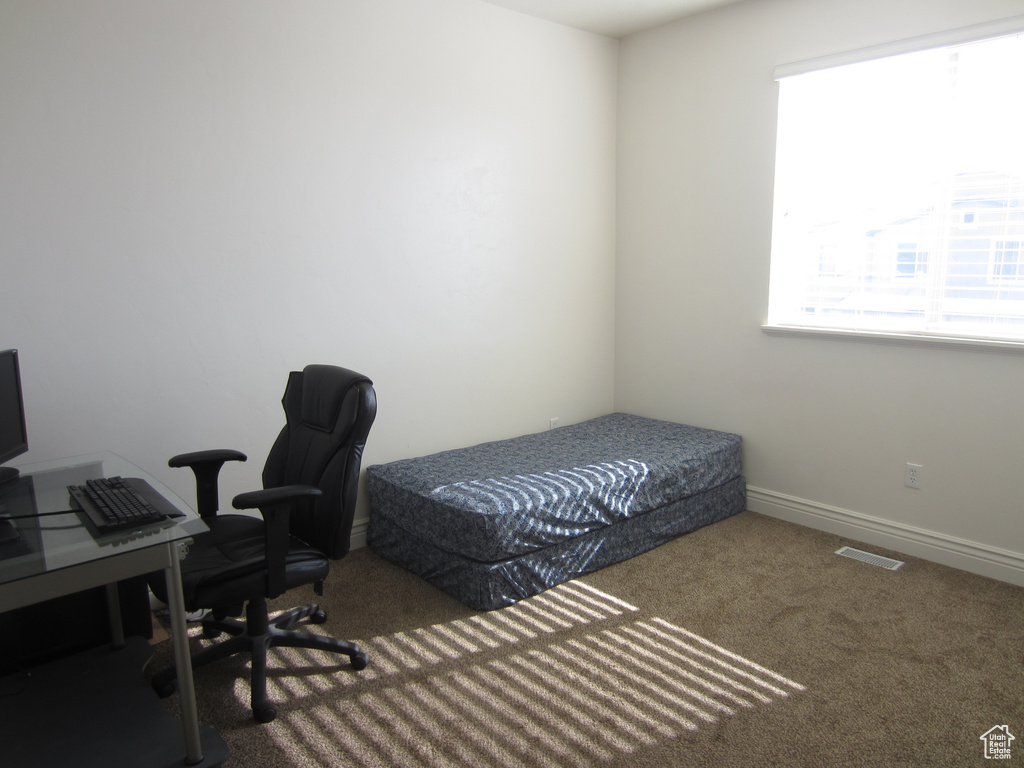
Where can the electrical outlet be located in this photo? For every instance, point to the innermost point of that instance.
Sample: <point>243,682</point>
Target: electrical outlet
<point>912,479</point>
<point>552,423</point>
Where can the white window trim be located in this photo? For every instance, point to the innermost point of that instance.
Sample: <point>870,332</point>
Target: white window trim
<point>933,340</point>
<point>975,32</point>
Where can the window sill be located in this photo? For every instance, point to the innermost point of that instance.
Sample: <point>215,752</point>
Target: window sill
<point>1003,346</point>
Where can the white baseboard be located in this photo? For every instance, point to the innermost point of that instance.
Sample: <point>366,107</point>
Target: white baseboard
<point>357,539</point>
<point>966,555</point>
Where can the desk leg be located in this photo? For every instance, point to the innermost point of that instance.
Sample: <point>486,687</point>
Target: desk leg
<point>182,661</point>
<point>114,615</point>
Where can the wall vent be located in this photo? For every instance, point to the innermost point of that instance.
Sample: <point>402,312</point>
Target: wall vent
<point>868,557</point>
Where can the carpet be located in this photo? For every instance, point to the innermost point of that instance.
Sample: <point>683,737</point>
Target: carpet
<point>746,643</point>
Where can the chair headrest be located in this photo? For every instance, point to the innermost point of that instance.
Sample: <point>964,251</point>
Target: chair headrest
<point>324,388</point>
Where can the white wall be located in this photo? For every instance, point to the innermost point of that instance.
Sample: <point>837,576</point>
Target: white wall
<point>197,197</point>
<point>828,426</point>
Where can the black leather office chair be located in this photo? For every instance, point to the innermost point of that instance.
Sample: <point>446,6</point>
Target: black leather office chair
<point>310,483</point>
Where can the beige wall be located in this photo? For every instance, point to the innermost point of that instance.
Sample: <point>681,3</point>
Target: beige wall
<point>421,191</point>
<point>828,426</point>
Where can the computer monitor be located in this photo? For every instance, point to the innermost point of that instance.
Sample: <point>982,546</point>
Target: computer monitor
<point>13,434</point>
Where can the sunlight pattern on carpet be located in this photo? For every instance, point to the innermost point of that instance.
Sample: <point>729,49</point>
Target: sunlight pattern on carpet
<point>514,687</point>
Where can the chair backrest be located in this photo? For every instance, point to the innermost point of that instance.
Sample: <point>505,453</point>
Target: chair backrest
<point>329,412</point>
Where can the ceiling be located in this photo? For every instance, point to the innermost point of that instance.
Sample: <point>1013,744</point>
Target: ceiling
<point>614,18</point>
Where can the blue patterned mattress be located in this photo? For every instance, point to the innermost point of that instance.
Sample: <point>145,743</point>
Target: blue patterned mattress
<point>501,521</point>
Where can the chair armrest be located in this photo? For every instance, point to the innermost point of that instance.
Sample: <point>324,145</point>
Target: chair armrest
<point>274,504</point>
<point>206,467</point>
<point>219,455</point>
<point>272,497</point>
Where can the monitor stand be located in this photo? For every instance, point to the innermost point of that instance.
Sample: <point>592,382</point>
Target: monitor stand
<point>8,533</point>
<point>8,475</point>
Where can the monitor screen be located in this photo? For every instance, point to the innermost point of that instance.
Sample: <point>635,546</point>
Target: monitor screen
<point>13,435</point>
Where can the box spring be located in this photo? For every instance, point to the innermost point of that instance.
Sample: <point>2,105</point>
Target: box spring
<point>501,521</point>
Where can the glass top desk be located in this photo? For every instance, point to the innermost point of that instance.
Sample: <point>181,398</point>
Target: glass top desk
<point>57,555</point>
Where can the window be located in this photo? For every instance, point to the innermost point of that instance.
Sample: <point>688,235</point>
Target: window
<point>910,262</point>
<point>899,191</point>
<point>1007,263</point>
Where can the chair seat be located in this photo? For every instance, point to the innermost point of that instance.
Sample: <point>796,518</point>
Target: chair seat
<point>215,572</point>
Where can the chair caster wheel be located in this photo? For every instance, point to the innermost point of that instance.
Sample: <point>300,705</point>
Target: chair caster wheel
<point>211,632</point>
<point>319,616</point>
<point>359,660</point>
<point>163,690</point>
<point>264,714</point>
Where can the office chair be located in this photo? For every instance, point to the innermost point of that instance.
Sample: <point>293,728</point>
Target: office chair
<point>310,483</point>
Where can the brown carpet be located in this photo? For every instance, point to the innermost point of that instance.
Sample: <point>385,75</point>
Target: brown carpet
<point>747,643</point>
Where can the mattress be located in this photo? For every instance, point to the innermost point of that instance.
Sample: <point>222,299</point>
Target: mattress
<point>500,521</point>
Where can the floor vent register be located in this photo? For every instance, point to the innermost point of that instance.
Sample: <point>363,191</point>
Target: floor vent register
<point>868,557</point>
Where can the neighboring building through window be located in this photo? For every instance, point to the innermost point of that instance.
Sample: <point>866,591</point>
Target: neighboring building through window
<point>913,225</point>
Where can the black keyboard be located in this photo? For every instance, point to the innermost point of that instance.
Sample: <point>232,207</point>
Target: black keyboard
<point>118,503</point>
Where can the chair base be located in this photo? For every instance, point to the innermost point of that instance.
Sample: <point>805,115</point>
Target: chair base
<point>256,635</point>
